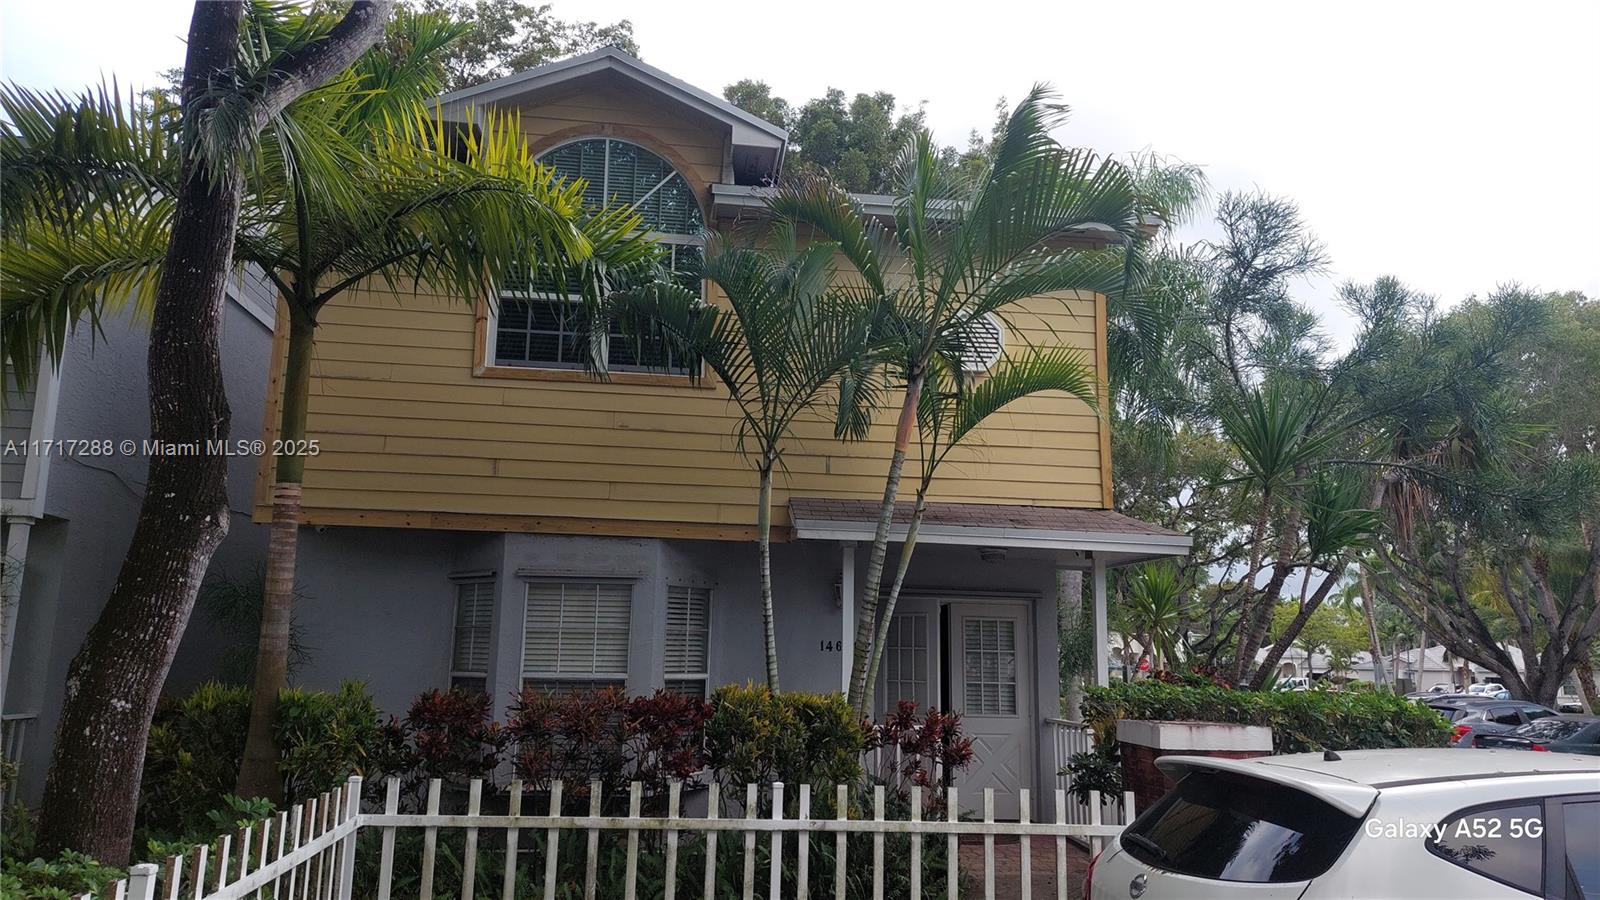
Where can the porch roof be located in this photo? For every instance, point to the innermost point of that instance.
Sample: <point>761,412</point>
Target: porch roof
<point>1117,538</point>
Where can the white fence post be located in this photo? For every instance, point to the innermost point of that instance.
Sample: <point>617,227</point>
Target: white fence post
<point>670,889</point>
<point>802,848</point>
<point>508,881</point>
<point>552,843</point>
<point>469,854</point>
<point>347,849</point>
<point>712,795</point>
<point>430,842</point>
<point>775,879</point>
<point>391,806</point>
<point>952,880</point>
<point>142,882</point>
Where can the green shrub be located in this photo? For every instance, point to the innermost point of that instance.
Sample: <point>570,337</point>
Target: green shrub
<point>192,758</point>
<point>62,878</point>
<point>1301,721</point>
<point>755,737</point>
<point>197,742</point>
<point>323,738</point>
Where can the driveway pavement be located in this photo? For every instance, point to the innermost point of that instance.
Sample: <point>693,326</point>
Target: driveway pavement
<point>1008,867</point>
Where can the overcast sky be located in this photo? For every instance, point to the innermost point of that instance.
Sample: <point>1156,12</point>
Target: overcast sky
<point>1455,145</point>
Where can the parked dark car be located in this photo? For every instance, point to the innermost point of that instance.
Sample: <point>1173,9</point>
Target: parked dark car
<point>1471,716</point>
<point>1556,734</point>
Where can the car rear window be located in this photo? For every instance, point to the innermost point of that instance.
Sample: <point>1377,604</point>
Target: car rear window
<point>1551,729</point>
<point>1234,828</point>
<point>1450,713</point>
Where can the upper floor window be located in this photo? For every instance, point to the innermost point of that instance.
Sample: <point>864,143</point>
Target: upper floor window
<point>542,325</point>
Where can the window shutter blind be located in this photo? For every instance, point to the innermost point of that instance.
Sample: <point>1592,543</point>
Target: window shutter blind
<point>474,622</point>
<point>688,630</point>
<point>577,628</point>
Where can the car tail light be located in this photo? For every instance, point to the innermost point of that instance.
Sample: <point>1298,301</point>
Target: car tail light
<point>1458,733</point>
<point>1088,875</point>
<point>1539,747</point>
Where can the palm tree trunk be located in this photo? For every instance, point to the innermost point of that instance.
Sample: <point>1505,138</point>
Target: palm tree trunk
<point>1378,675</point>
<point>866,627</point>
<point>764,543</point>
<point>258,772</point>
<point>886,615</point>
<point>92,789</point>
<point>1588,696</point>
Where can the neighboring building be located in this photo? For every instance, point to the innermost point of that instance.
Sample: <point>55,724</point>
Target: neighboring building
<point>67,518</point>
<point>484,514</point>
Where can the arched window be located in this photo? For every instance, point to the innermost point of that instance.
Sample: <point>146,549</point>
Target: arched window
<point>537,327</point>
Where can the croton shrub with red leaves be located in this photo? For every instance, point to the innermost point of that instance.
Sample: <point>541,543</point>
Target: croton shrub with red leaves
<point>931,748</point>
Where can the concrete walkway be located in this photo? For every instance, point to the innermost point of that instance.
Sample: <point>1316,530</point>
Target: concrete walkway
<point>1008,867</point>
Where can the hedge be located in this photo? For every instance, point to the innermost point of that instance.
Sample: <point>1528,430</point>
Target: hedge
<point>1301,721</point>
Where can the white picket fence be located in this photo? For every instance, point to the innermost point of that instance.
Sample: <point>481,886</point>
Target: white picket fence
<point>309,852</point>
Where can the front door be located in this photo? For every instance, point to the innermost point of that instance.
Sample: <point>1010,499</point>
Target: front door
<point>990,654</point>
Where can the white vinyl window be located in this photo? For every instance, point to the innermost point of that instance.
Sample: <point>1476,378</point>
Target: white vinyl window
<point>688,640</point>
<point>575,635</point>
<point>474,624</point>
<point>541,324</point>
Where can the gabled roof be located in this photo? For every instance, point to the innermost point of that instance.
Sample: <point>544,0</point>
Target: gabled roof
<point>761,141</point>
<point>1120,538</point>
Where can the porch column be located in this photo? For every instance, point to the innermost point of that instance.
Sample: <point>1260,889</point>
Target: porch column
<point>847,612</point>
<point>1102,656</point>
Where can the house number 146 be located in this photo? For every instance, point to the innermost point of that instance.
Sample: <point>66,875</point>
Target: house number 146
<point>831,646</point>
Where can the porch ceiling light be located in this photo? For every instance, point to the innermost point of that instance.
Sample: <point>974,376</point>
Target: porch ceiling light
<point>992,554</point>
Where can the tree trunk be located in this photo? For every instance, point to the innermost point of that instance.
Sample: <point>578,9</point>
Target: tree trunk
<point>258,772</point>
<point>1069,594</point>
<point>92,789</point>
<point>1378,675</point>
<point>764,545</point>
<point>1588,696</point>
<point>886,614</point>
<point>1298,623</point>
<point>866,627</point>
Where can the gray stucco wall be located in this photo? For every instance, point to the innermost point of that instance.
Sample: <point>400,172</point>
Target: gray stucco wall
<point>381,601</point>
<point>92,505</point>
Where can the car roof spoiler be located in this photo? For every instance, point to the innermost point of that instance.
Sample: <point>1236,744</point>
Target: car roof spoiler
<point>1349,797</point>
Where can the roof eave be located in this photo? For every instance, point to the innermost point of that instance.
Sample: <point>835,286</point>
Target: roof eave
<point>1125,548</point>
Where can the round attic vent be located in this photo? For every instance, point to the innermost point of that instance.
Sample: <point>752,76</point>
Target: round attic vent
<point>985,343</point>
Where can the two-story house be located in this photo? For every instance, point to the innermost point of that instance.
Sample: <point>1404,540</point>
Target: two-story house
<point>483,513</point>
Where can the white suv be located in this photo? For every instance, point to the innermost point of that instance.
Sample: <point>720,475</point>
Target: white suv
<point>1363,823</point>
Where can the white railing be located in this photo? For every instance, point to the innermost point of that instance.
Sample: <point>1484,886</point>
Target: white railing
<point>308,853</point>
<point>14,729</point>
<point>1068,738</point>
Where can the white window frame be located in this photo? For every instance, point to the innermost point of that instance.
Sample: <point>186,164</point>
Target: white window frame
<point>703,677</point>
<point>455,623</point>
<point>672,239</point>
<point>619,679</point>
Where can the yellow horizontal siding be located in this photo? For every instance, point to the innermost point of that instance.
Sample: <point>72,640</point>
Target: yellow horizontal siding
<point>410,435</point>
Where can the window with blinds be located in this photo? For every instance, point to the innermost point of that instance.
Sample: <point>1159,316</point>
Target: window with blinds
<point>575,635</point>
<point>989,648</point>
<point>474,624</point>
<point>688,640</point>
<point>541,324</point>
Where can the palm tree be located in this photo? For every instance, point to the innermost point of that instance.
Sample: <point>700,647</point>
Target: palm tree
<point>953,404</point>
<point>783,337</point>
<point>1154,610</point>
<point>962,248</point>
<point>354,181</point>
